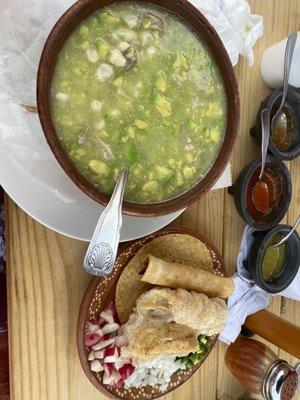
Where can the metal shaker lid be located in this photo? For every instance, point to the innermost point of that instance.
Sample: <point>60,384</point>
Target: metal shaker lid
<point>281,381</point>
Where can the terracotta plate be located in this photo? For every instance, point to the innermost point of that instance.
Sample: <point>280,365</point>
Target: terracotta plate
<point>102,290</point>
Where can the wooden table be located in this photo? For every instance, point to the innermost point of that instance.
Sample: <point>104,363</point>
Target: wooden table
<point>46,280</point>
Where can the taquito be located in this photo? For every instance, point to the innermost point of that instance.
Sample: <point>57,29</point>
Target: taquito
<point>175,275</point>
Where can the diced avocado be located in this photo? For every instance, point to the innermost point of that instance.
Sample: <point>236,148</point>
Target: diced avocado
<point>181,62</point>
<point>124,139</point>
<point>162,104</point>
<point>184,62</point>
<point>136,169</point>
<point>147,24</point>
<point>193,126</point>
<point>99,167</point>
<point>140,124</point>
<point>118,82</point>
<point>116,173</point>
<point>151,186</point>
<point>214,135</point>
<point>178,179</point>
<point>161,81</point>
<point>108,19</point>
<point>131,154</point>
<point>188,172</point>
<point>189,158</point>
<point>77,72</point>
<point>203,340</point>
<point>193,358</point>
<point>85,45</point>
<point>131,132</point>
<point>80,152</point>
<point>163,173</point>
<point>84,31</point>
<point>102,47</point>
<point>103,135</point>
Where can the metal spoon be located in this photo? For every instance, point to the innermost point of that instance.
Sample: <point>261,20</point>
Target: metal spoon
<point>102,251</point>
<point>289,51</point>
<point>265,128</point>
<point>285,238</point>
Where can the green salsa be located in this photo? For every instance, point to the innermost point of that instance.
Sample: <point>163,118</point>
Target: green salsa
<point>135,88</point>
<point>274,258</point>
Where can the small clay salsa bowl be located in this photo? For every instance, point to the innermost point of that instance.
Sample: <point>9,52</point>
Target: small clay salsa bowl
<point>275,273</point>
<point>101,292</point>
<point>278,180</point>
<point>284,143</point>
<point>191,16</point>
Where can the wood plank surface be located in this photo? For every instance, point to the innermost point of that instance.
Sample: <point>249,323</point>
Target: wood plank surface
<point>46,281</point>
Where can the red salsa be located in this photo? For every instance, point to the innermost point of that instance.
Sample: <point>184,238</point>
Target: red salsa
<point>261,194</point>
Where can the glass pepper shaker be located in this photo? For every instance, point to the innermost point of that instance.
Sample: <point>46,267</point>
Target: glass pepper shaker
<point>260,371</point>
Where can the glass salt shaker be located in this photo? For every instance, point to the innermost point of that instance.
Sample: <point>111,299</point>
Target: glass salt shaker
<point>260,371</point>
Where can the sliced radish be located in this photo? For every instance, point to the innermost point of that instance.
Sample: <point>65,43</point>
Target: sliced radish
<point>109,328</point>
<point>92,355</point>
<point>106,379</point>
<point>111,379</point>
<point>111,355</point>
<point>126,371</point>
<point>92,327</point>
<point>108,369</point>
<point>113,334</point>
<point>107,317</point>
<point>115,376</point>
<point>112,307</point>
<point>120,363</point>
<point>111,351</point>
<point>96,366</point>
<point>91,339</point>
<point>110,359</point>
<point>100,333</point>
<point>119,383</point>
<point>120,341</point>
<point>103,343</point>
<point>101,322</point>
<point>99,354</point>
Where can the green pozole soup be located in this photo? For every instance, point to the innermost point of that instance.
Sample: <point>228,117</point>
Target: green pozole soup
<point>135,88</point>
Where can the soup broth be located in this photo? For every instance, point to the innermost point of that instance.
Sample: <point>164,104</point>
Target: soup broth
<point>135,88</point>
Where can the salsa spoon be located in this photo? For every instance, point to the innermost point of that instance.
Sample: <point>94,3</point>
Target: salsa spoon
<point>285,238</point>
<point>279,116</point>
<point>260,185</point>
<point>102,251</point>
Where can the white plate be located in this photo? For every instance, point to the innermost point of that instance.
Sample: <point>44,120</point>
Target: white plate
<point>76,219</point>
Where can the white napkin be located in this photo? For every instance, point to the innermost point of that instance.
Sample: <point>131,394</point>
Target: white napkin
<point>236,26</point>
<point>24,27</point>
<point>248,298</point>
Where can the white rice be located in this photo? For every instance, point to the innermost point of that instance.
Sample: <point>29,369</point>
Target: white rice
<point>155,373</point>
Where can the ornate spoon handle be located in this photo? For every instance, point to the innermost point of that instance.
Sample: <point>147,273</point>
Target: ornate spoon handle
<point>102,251</point>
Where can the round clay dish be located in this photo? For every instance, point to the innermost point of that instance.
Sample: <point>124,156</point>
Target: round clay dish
<point>206,33</point>
<point>101,291</point>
